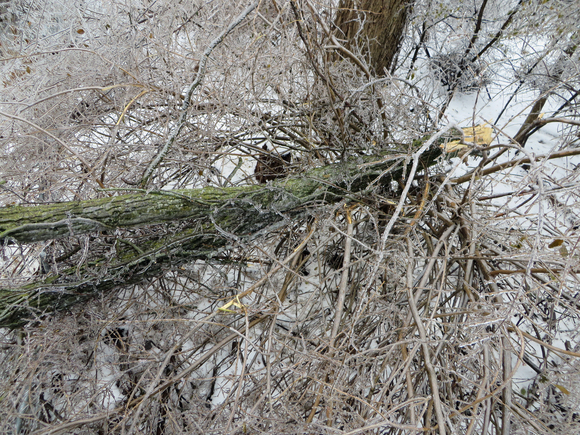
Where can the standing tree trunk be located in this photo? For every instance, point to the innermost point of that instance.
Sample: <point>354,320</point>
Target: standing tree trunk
<point>379,39</point>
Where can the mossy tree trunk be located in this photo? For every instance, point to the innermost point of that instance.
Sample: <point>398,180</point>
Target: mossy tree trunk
<point>187,225</point>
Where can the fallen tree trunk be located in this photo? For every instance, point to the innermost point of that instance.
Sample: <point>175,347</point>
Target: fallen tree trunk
<point>203,222</point>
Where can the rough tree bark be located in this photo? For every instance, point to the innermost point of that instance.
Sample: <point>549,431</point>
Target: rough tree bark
<point>384,24</point>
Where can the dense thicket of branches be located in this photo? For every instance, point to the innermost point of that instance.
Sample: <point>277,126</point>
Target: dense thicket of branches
<point>401,294</point>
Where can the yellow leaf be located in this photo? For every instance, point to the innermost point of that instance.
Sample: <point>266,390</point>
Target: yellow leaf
<point>563,251</point>
<point>562,389</point>
<point>235,302</point>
